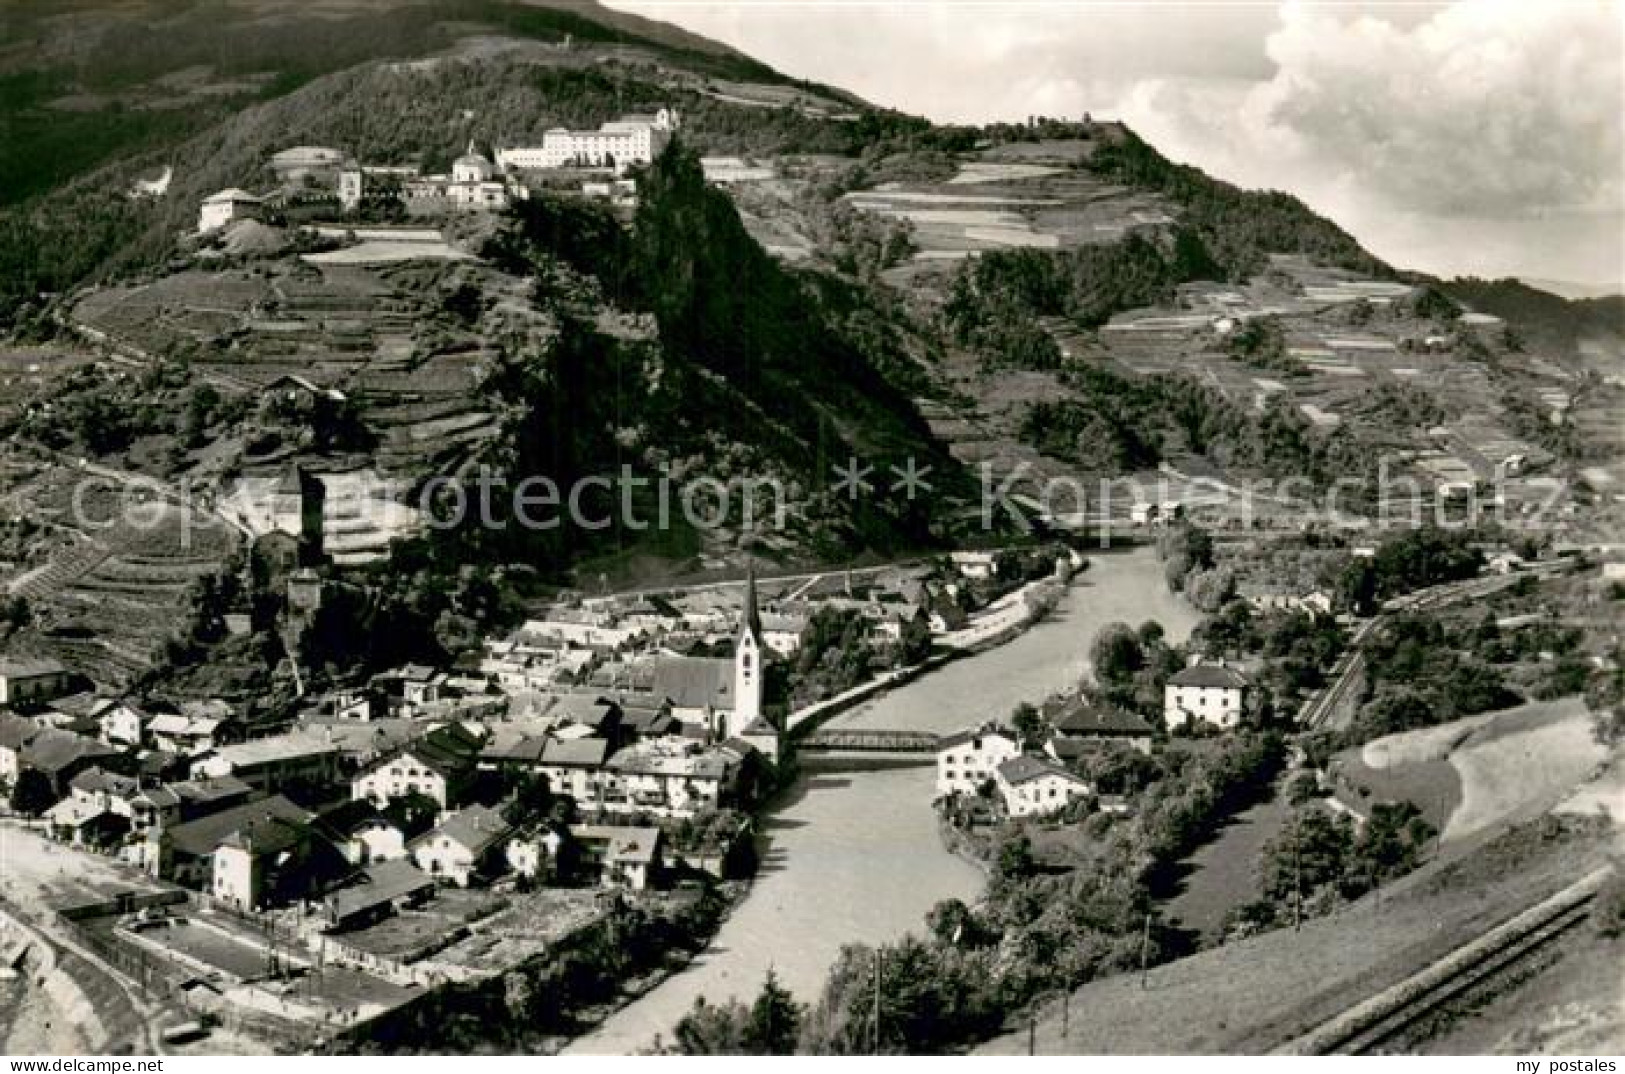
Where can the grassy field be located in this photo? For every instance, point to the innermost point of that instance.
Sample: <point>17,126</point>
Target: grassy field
<point>1224,873</point>
<point>1251,995</point>
<point>1522,763</point>
<point>1471,774</point>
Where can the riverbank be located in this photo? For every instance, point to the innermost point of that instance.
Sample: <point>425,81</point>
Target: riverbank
<point>853,854</point>
<point>42,1010</point>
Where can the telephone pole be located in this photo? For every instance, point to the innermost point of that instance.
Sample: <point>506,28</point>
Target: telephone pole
<point>1145,948</point>
<point>877,1003</point>
<point>1297,875</point>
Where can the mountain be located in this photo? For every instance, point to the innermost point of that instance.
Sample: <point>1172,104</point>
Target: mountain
<point>1572,289</point>
<point>1546,318</point>
<point>854,288</point>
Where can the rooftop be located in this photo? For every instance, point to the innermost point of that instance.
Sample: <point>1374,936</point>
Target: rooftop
<point>1210,675</point>
<point>1101,720</point>
<point>476,828</point>
<point>1026,768</point>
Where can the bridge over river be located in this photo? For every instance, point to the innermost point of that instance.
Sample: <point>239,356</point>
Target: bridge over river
<point>868,740</point>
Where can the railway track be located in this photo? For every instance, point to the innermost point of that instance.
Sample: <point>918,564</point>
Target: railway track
<point>1367,1026</point>
<point>1318,708</point>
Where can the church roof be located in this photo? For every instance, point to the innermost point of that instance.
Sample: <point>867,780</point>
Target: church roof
<point>471,157</point>
<point>753,617</point>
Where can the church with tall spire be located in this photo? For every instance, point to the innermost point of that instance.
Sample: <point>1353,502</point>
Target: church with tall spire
<point>749,674</point>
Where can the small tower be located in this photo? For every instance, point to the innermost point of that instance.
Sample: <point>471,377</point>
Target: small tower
<point>350,189</point>
<point>748,670</point>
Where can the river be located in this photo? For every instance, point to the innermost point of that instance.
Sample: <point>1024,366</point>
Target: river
<point>854,856</point>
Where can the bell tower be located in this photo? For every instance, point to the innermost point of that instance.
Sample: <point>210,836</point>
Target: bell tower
<point>748,670</point>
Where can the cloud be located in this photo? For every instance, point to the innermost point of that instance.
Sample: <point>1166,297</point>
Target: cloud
<point>1483,139</point>
<point>1482,136</point>
<point>1488,107</point>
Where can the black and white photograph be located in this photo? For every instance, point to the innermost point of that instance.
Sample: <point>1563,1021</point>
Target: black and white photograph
<point>569,529</point>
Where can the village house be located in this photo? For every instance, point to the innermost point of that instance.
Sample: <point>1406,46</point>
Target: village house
<point>225,206</point>
<point>184,852</point>
<point>31,682</point>
<point>271,861</point>
<point>533,854</point>
<point>966,761</point>
<point>200,797</point>
<point>15,733</point>
<point>1211,692</point>
<point>61,755</point>
<point>463,848</point>
<point>122,724</point>
<point>82,823</point>
<point>380,838</point>
<point>188,736</point>
<point>269,764</point>
<point>602,716</point>
<point>619,856</point>
<point>574,767</point>
<point>1036,786</point>
<point>382,890</point>
<point>781,632</point>
<point>80,713</point>
<point>1079,727</point>
<point>670,777</point>
<point>440,765</point>
<point>359,704</point>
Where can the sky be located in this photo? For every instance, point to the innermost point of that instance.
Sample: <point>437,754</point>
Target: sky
<point>1476,137</point>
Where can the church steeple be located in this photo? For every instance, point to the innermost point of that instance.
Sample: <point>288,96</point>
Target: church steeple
<point>753,617</point>
<point>749,653</point>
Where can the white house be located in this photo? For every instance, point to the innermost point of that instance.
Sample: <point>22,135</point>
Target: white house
<point>221,208</point>
<point>782,632</point>
<point>1036,787</point>
<point>967,760</point>
<point>15,733</point>
<point>1211,692</point>
<point>622,856</point>
<point>529,853</point>
<point>463,846</point>
<point>667,777</point>
<point>375,840</point>
<point>574,767</point>
<point>438,766</point>
<point>122,725</point>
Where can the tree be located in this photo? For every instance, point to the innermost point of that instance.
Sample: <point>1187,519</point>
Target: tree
<point>33,793</point>
<point>1016,859</point>
<point>1029,725</point>
<point>1116,654</point>
<point>1209,589</point>
<point>775,1020</point>
<point>953,923</point>
<point>708,1029</point>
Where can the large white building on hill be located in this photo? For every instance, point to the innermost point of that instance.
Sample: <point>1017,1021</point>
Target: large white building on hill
<point>635,139</point>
